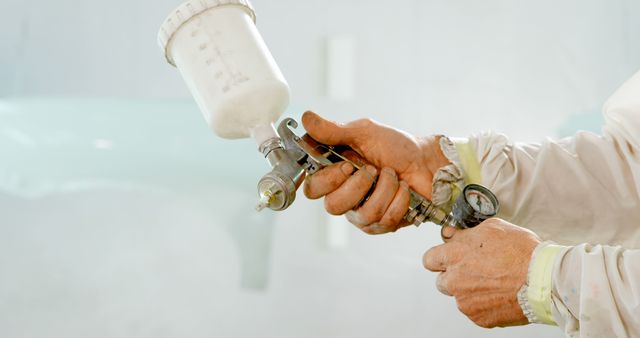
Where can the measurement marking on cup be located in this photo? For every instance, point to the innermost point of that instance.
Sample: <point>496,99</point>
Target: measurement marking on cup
<point>239,78</point>
<point>220,60</point>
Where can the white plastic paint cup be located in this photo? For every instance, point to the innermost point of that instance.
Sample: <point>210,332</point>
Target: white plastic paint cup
<point>229,70</point>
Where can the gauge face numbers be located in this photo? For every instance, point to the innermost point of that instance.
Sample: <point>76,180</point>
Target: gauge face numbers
<point>473,206</point>
<point>480,201</point>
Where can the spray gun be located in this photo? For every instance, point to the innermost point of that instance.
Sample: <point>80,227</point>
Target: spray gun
<point>292,157</point>
<point>242,92</point>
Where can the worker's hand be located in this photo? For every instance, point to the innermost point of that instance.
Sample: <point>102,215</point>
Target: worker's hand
<point>484,268</point>
<point>397,159</point>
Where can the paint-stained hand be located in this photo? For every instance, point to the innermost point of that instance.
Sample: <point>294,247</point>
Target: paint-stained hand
<point>396,159</point>
<point>484,268</point>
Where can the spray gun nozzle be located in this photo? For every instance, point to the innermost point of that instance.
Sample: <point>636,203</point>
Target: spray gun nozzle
<point>265,200</point>
<point>277,189</point>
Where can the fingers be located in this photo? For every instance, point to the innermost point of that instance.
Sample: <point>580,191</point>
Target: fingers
<point>353,216</point>
<point>434,259</point>
<point>327,180</point>
<point>325,131</point>
<point>354,157</point>
<point>384,211</point>
<point>438,258</point>
<point>443,283</point>
<point>351,192</point>
<point>393,217</point>
<point>447,233</point>
<point>382,196</point>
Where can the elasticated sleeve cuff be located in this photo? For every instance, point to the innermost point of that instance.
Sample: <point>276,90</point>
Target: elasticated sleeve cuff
<point>535,296</point>
<point>468,161</point>
<point>448,181</point>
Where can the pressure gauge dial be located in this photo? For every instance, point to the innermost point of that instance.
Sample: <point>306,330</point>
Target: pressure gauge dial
<point>474,205</point>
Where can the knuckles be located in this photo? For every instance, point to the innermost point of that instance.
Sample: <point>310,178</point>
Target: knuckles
<point>483,321</point>
<point>480,318</point>
<point>366,122</point>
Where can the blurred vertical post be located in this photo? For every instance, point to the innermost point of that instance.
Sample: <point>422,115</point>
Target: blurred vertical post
<point>340,67</point>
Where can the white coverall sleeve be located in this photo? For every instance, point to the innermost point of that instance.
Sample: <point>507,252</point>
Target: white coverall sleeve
<point>584,188</point>
<point>596,291</point>
<point>576,190</point>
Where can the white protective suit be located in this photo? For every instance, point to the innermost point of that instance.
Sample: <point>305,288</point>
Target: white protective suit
<point>582,189</point>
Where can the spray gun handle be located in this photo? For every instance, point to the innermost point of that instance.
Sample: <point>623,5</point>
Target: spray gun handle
<point>420,208</point>
<point>474,205</point>
<point>298,156</point>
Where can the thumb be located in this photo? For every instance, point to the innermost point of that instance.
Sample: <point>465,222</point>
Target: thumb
<point>325,131</point>
<point>447,233</point>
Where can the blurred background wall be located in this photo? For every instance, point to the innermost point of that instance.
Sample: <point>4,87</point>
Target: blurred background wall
<point>137,243</point>
<point>417,61</point>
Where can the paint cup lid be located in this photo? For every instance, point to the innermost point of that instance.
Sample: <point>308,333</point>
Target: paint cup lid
<point>188,10</point>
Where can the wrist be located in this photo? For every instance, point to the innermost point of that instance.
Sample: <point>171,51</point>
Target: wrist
<point>535,295</point>
<point>443,165</point>
<point>432,155</point>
